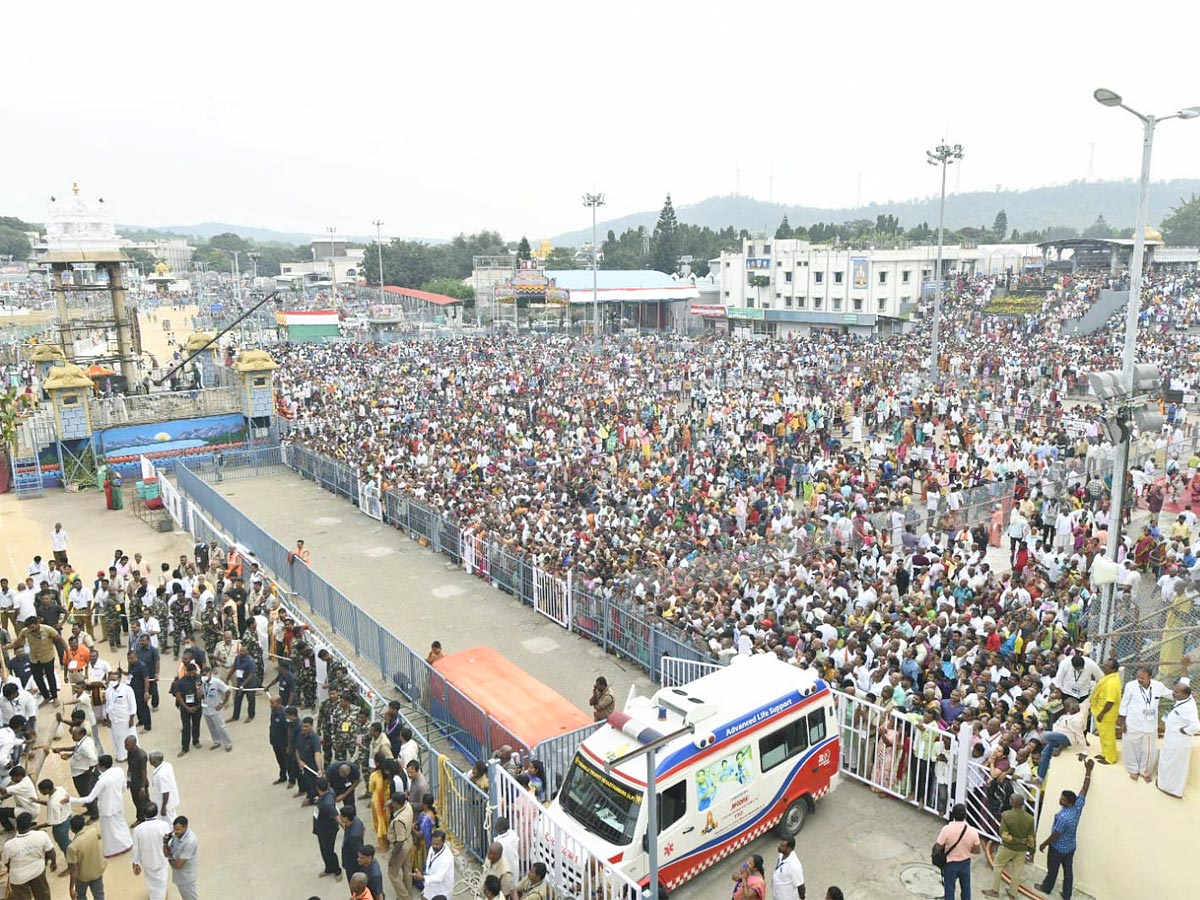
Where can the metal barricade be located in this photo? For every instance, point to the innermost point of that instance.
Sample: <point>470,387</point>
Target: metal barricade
<point>551,837</point>
<point>462,807</point>
<point>673,671</point>
<point>628,634</point>
<point>557,752</point>
<point>552,597</point>
<point>897,756</point>
<point>462,721</point>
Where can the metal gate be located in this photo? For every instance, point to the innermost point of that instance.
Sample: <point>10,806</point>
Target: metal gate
<point>552,597</point>
<point>370,503</point>
<point>673,671</point>
<point>474,554</point>
<point>922,765</point>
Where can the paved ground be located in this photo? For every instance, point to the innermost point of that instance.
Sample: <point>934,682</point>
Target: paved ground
<point>420,595</point>
<point>255,841</point>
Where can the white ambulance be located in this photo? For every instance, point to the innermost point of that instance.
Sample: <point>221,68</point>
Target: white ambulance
<point>765,749</point>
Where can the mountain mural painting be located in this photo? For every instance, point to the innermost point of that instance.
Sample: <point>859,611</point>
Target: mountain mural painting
<point>178,438</point>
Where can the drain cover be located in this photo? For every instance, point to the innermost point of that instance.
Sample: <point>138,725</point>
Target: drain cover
<point>922,880</point>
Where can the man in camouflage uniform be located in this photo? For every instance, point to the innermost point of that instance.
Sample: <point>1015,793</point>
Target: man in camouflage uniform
<point>161,611</point>
<point>210,627</point>
<point>329,708</point>
<point>181,619</point>
<point>251,645</point>
<point>304,664</point>
<point>362,736</point>
<point>112,620</point>
<point>345,725</point>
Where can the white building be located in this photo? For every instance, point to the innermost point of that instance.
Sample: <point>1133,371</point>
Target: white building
<point>331,256</point>
<point>74,225</point>
<point>790,286</point>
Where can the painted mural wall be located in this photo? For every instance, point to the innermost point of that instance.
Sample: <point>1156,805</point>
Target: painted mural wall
<point>183,437</point>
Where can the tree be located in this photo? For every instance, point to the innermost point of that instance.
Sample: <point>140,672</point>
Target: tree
<point>561,258</point>
<point>1000,225</point>
<point>13,243</point>
<point>784,231</point>
<point>143,259</point>
<point>1182,227</point>
<point>229,241</point>
<point>664,244</point>
<point>524,251</point>
<point>1099,229</point>
<point>450,287</point>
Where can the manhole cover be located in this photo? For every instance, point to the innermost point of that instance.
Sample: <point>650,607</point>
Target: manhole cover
<point>922,880</point>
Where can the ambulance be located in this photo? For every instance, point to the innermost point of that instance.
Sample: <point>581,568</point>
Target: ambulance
<point>764,750</point>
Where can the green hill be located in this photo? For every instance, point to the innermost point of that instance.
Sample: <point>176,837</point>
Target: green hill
<point>1074,205</point>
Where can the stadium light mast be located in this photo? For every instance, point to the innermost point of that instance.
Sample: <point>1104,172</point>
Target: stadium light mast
<point>942,155</point>
<point>1106,97</point>
<point>594,201</point>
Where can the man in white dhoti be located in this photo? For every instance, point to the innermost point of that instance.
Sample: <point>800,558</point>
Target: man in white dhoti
<point>1138,722</point>
<point>148,858</point>
<point>1180,726</point>
<point>164,792</point>
<point>439,868</point>
<point>120,708</point>
<point>110,800</point>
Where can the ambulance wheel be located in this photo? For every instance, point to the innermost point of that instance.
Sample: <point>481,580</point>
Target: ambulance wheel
<point>795,816</point>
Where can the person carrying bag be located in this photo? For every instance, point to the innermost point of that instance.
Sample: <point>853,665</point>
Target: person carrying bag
<point>956,835</point>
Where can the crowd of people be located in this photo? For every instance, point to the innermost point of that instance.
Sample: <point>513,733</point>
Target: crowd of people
<point>759,496</point>
<point>57,693</point>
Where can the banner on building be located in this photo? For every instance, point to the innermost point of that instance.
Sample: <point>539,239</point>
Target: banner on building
<point>859,273</point>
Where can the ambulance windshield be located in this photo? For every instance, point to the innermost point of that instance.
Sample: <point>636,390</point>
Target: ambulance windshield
<point>602,804</point>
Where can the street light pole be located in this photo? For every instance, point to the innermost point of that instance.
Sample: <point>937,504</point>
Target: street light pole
<point>332,266</point>
<point>595,201</point>
<point>1106,97</point>
<point>378,223</point>
<point>941,155</point>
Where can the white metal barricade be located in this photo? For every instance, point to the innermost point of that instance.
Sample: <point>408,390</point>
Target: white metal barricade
<point>474,554</point>
<point>674,671</point>
<point>172,500</point>
<point>370,502</point>
<point>897,755</point>
<point>553,838</point>
<point>552,597</point>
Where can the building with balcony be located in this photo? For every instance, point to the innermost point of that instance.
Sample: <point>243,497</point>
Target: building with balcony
<point>790,286</point>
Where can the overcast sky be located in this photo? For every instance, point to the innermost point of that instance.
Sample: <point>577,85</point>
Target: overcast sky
<point>448,117</point>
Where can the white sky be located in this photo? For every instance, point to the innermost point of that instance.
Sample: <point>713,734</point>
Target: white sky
<point>466,115</point>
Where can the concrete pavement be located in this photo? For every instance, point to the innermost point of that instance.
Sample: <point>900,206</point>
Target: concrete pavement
<point>255,840</point>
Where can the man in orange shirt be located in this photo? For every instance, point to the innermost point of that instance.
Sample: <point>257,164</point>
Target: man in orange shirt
<point>233,564</point>
<point>75,660</point>
<point>302,553</point>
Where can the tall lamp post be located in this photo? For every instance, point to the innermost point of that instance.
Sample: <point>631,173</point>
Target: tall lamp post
<point>595,201</point>
<point>331,230</point>
<point>378,223</point>
<point>942,155</point>
<point>1106,97</point>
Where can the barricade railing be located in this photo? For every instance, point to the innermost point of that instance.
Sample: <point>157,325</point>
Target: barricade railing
<point>897,756</point>
<point>462,807</point>
<point>556,753</point>
<point>463,804</point>
<point>674,671</point>
<point>461,721</point>
<point>895,753</point>
<point>549,836</point>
